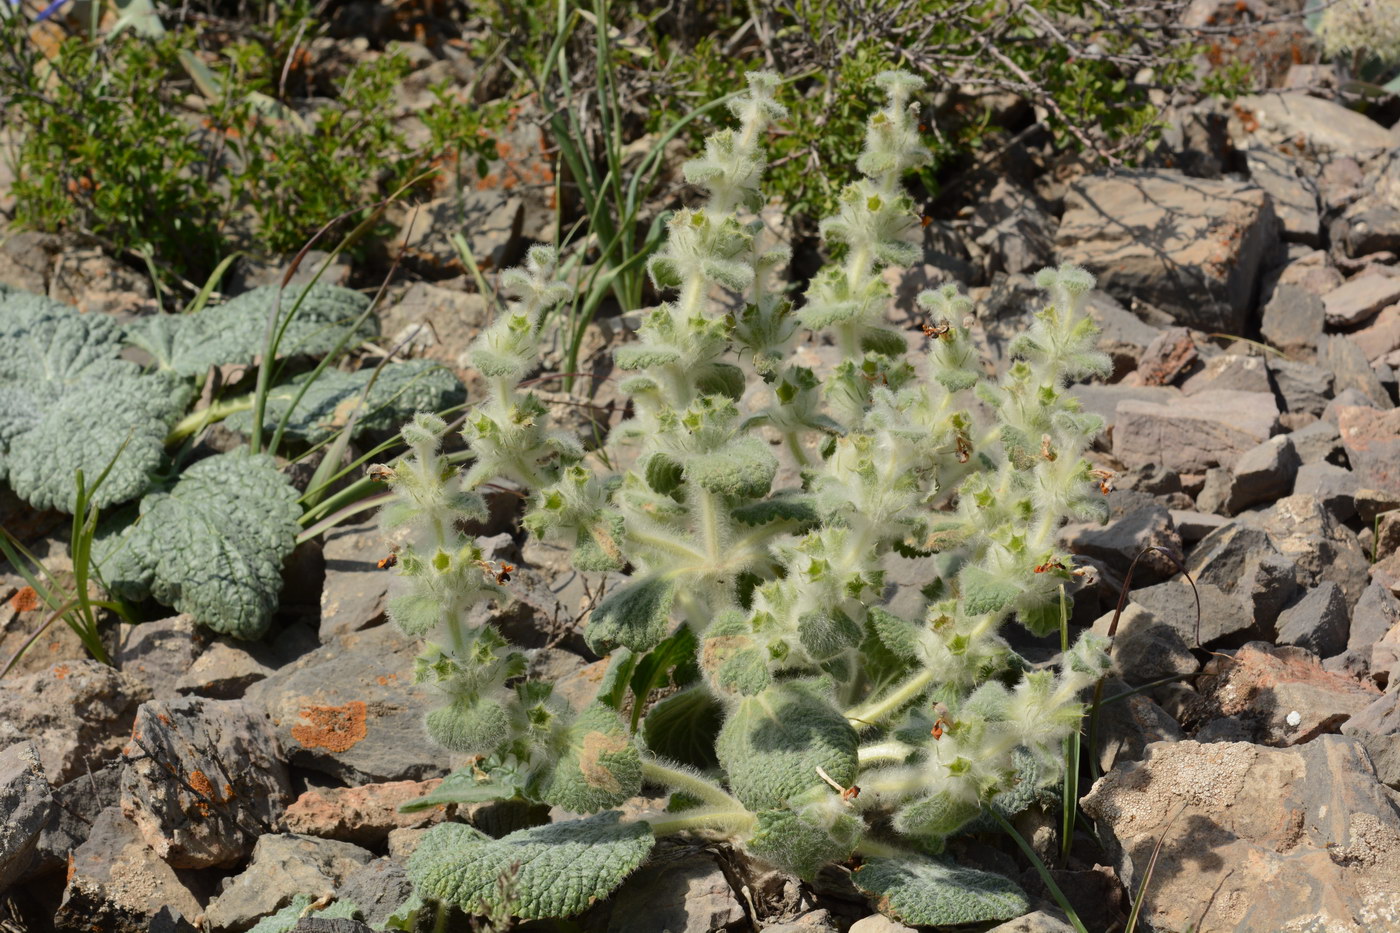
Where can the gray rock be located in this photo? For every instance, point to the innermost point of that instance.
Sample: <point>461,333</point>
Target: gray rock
<point>1013,229</point>
<point>378,888</point>
<point>492,220</point>
<point>815,921</point>
<point>350,709</point>
<point>1118,543</point>
<point>1192,247</point>
<point>1103,400</point>
<point>117,884</point>
<point>1041,921</point>
<point>26,804</point>
<point>1319,621</point>
<point>1371,224</point>
<point>356,589</point>
<point>1376,613</point>
<point>1260,474</point>
<point>1321,547</point>
<point>1319,442</point>
<point>1319,129</point>
<point>1296,838</point>
<point>437,321</point>
<point>1224,618</point>
<point>283,866</point>
<point>1193,526</point>
<point>1346,398</point>
<point>1382,717</point>
<point>1171,354</point>
<point>1304,387</point>
<point>77,805</point>
<point>1244,563</point>
<point>1351,370</point>
<point>1122,335</point>
<point>205,779</point>
<point>1145,648</point>
<point>1331,485</point>
<point>1313,272</point>
<point>1372,442</point>
<point>158,653</point>
<point>1190,436</point>
<point>879,923</point>
<point>680,890</point>
<point>1294,196</point>
<point>1293,318</point>
<point>1372,503</point>
<point>1384,751</point>
<point>1230,372</point>
<point>1380,338</point>
<point>77,713</point>
<point>1360,298</point>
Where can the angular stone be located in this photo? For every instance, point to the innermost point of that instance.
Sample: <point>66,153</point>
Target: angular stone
<point>356,589</point>
<point>1013,229</point>
<point>1193,526</point>
<point>117,884</point>
<point>26,804</point>
<point>1334,487</point>
<point>1122,335</point>
<point>1304,387</point>
<point>1261,473</point>
<point>1282,839</point>
<point>1318,622</point>
<point>876,923</point>
<point>1372,442</point>
<point>1360,298</point>
<point>1319,442</point>
<point>76,807</point>
<point>229,666</point>
<point>283,866</point>
<point>1382,717</point>
<point>1118,543</point>
<point>158,653</point>
<point>1192,247</point>
<point>1372,503</point>
<point>1294,195</point>
<point>1171,353</point>
<point>378,888</point>
<point>1230,372</point>
<point>1318,128</point>
<point>77,713</point>
<point>1293,318</point>
<point>1190,436</point>
<point>678,890</point>
<point>1321,547</point>
<point>1103,400</point>
<point>492,220</point>
<point>1224,618</point>
<point>1351,370</point>
<point>1371,223</point>
<point>207,778</point>
<point>1284,692</point>
<point>1381,336</point>
<point>363,815</point>
<point>350,709</point>
<point>1039,922</point>
<point>1376,613</point>
<point>1145,648</point>
<point>1313,272</point>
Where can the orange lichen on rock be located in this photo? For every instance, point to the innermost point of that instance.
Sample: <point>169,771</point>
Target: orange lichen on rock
<point>25,600</point>
<point>334,728</point>
<point>200,782</point>
<point>60,671</point>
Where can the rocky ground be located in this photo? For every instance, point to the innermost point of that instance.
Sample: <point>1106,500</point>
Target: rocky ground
<point>1250,299</point>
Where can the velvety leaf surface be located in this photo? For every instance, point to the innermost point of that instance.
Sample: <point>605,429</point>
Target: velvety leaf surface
<point>212,545</point>
<point>68,403</point>
<point>925,891</point>
<point>552,871</point>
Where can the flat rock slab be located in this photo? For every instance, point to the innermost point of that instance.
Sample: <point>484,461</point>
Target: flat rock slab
<point>158,653</point>
<point>206,780</point>
<point>25,805</point>
<point>1322,548</point>
<point>77,713</point>
<point>1321,128</point>
<point>363,815</point>
<point>356,588</point>
<point>283,866</point>
<point>117,884</point>
<point>1192,247</point>
<point>350,709</point>
<point>1255,838</point>
<point>1372,442</point>
<point>681,891</point>
<point>1193,434</point>
<point>1284,691</point>
<point>1360,298</point>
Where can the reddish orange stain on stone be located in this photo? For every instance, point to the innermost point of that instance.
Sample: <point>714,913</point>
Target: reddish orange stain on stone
<point>334,728</point>
<point>61,671</point>
<point>26,600</point>
<point>200,782</point>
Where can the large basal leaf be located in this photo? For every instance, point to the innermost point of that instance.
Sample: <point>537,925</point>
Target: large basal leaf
<point>600,767</point>
<point>683,727</point>
<point>334,397</point>
<point>68,403</point>
<point>212,545</point>
<point>548,871</point>
<point>635,616</point>
<point>924,891</point>
<point>236,331</point>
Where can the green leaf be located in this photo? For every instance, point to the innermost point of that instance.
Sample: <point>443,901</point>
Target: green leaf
<point>601,766</point>
<point>285,920</point>
<point>826,634</point>
<point>683,727</point>
<point>984,592</point>
<point>782,507</point>
<point>636,616</point>
<point>786,840</point>
<point>467,785</point>
<point>772,745</point>
<point>67,403</point>
<point>883,341</point>
<point>470,726</point>
<point>334,397</point>
<point>926,891</point>
<point>236,331</point>
<point>724,379</point>
<point>671,662</point>
<point>548,871</point>
<point>613,690</point>
<point>744,468</point>
<point>936,815</point>
<point>213,545</point>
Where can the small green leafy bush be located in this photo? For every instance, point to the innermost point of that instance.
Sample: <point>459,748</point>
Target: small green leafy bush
<point>208,539</point>
<point>812,723</point>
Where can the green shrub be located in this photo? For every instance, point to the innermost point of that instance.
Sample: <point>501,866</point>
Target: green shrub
<point>843,729</point>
